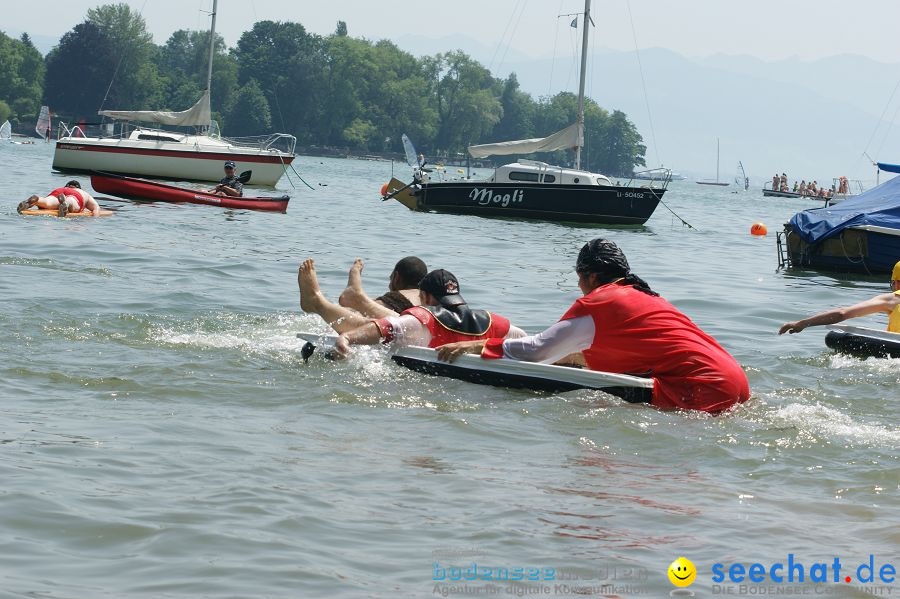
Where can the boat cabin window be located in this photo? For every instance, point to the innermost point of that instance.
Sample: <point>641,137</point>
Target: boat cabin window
<point>151,137</point>
<point>535,177</point>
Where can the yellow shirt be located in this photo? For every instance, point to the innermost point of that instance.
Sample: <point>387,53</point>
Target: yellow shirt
<point>894,322</point>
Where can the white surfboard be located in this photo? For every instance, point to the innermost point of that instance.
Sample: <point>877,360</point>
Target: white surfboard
<point>505,373</point>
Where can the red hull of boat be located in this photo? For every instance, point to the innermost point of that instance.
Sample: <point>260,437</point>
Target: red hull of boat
<point>141,189</point>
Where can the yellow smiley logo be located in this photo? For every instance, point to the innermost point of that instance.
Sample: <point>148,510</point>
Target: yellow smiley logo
<point>682,572</point>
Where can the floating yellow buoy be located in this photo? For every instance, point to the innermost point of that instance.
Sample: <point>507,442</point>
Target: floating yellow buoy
<point>460,171</point>
<point>759,229</point>
<point>384,190</point>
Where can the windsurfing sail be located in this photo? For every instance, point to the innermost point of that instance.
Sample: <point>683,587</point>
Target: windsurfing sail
<point>569,137</point>
<point>410,150</point>
<point>740,177</point>
<point>43,125</point>
<point>198,115</point>
<point>5,130</point>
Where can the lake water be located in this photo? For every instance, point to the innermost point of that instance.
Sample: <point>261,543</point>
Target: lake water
<point>161,436</point>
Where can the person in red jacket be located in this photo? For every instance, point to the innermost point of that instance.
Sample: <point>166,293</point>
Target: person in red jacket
<point>623,326</point>
<point>70,198</point>
<point>444,317</point>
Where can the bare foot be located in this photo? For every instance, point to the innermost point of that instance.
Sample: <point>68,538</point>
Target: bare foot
<point>354,278</point>
<point>310,295</point>
<point>354,289</point>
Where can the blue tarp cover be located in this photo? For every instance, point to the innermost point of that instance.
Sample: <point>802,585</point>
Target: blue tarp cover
<point>878,207</point>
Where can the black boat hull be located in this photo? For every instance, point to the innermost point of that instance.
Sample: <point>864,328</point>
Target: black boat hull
<point>588,204</point>
<point>862,345</point>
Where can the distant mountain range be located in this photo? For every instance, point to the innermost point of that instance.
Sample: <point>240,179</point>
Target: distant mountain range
<point>810,119</point>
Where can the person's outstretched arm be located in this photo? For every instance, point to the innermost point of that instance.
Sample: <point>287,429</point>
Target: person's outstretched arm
<point>404,330</point>
<point>368,334</point>
<point>560,340</point>
<point>880,303</point>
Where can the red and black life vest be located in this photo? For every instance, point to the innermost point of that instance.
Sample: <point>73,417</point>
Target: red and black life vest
<point>460,324</point>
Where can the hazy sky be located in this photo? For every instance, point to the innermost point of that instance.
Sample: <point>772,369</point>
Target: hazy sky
<point>768,29</point>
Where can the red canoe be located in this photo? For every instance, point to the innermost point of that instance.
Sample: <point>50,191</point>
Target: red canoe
<point>142,189</point>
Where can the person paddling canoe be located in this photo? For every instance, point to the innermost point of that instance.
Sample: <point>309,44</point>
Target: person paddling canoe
<point>70,198</point>
<point>887,303</point>
<point>622,326</point>
<point>230,184</point>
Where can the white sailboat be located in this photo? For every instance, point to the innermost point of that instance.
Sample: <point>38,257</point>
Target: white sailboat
<point>6,131</point>
<point>716,182</point>
<point>153,152</point>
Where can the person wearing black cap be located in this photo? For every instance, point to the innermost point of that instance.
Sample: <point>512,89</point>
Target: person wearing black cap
<point>443,317</point>
<point>621,325</point>
<point>229,185</point>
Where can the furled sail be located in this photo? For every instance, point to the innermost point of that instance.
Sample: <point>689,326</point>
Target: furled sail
<point>5,130</point>
<point>197,115</point>
<point>561,140</point>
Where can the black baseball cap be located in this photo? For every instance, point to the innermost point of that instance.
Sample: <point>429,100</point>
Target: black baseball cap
<point>229,164</point>
<point>443,286</point>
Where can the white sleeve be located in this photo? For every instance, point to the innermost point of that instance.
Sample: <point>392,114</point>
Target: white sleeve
<point>560,340</point>
<point>515,332</point>
<point>409,331</point>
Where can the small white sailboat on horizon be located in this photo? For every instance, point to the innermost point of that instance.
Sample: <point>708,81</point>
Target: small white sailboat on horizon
<point>716,182</point>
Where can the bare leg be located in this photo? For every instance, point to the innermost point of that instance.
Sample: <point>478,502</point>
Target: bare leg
<point>48,203</point>
<point>353,293</point>
<point>354,277</point>
<point>311,300</point>
<point>355,298</point>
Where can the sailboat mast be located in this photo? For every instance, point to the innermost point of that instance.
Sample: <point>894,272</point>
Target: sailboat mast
<point>212,47</point>
<point>717,160</point>
<point>584,44</point>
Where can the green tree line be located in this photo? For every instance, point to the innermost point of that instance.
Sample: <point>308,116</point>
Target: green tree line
<point>333,90</point>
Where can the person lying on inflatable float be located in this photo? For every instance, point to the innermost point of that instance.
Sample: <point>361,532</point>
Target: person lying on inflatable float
<point>443,317</point>
<point>354,307</point>
<point>623,326</point>
<point>70,198</point>
<point>889,303</point>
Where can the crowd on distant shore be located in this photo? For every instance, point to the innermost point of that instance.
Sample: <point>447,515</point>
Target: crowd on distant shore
<point>812,189</point>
